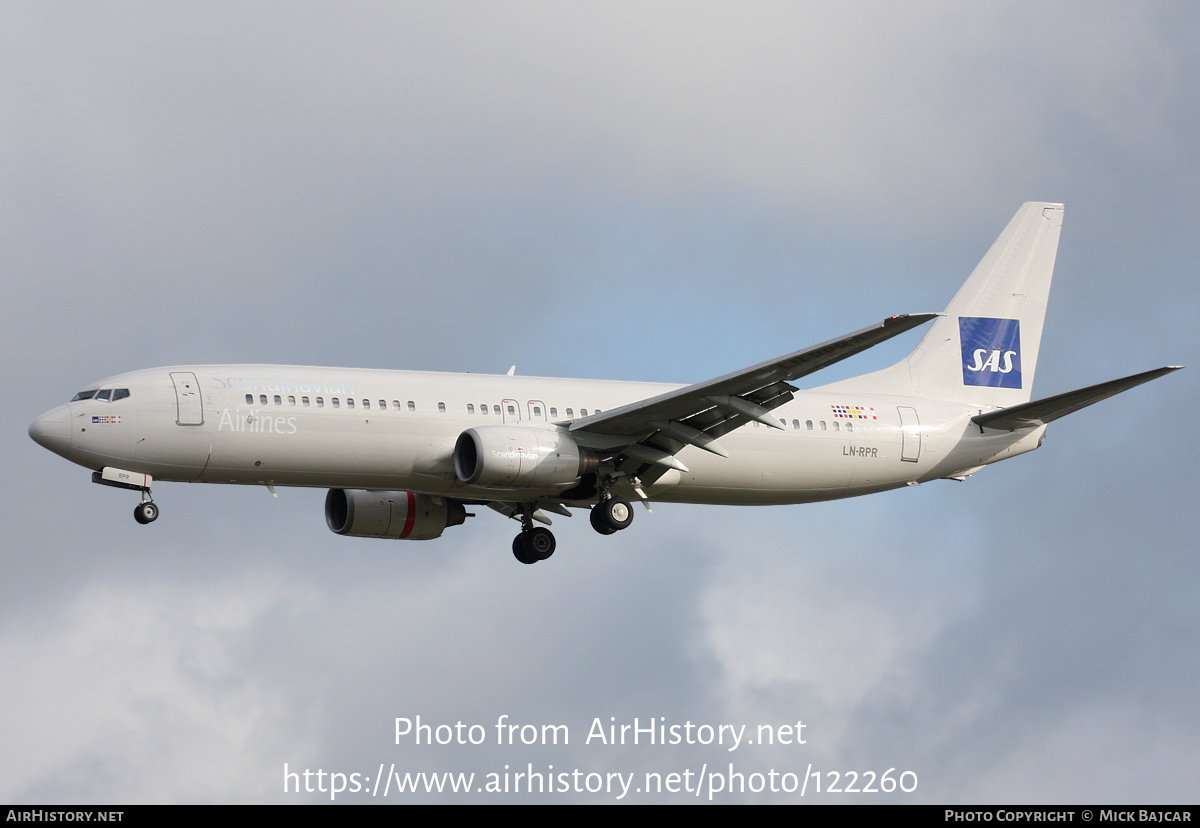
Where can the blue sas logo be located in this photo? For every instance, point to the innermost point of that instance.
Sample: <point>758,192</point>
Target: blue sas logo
<point>991,351</point>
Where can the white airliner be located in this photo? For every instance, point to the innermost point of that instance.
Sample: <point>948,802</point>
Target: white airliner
<point>404,453</point>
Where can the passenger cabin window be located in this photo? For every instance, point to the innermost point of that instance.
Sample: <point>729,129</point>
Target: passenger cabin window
<point>383,405</point>
<point>249,399</point>
<point>349,402</point>
<point>537,411</point>
<point>442,407</point>
<point>320,402</point>
<point>822,425</point>
<point>396,405</point>
<point>570,412</point>
<point>335,402</point>
<point>496,410</point>
<point>278,401</point>
<point>412,406</point>
<point>583,412</point>
<point>795,424</point>
<point>291,400</point>
<point>366,403</point>
<point>262,399</point>
<point>553,411</point>
<point>808,424</point>
<point>511,411</point>
<point>483,409</point>
<point>84,395</point>
<point>849,426</point>
<point>836,426</point>
<point>470,408</point>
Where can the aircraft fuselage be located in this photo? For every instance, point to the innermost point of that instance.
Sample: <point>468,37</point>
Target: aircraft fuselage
<point>396,430</point>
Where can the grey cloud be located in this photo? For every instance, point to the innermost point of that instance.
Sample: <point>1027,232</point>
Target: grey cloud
<point>649,192</point>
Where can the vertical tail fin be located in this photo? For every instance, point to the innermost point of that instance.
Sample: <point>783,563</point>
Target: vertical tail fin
<point>984,349</point>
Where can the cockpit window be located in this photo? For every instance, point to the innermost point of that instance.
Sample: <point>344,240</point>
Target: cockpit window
<point>103,395</point>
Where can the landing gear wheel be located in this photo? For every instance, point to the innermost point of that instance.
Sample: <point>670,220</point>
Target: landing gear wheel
<point>146,512</point>
<point>611,515</point>
<point>522,552</point>
<point>533,545</point>
<point>540,542</point>
<point>596,516</point>
<point>618,512</point>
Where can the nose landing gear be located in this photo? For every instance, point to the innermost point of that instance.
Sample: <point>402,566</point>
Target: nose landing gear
<point>146,512</point>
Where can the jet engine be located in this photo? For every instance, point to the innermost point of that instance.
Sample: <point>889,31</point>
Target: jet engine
<point>514,456</point>
<point>402,515</point>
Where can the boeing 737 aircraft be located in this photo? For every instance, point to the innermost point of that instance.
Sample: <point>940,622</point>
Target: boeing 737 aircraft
<point>405,453</point>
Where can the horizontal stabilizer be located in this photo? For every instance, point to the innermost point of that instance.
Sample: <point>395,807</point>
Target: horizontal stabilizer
<point>1040,412</point>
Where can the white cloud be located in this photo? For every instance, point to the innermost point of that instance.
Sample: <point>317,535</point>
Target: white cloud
<point>141,692</point>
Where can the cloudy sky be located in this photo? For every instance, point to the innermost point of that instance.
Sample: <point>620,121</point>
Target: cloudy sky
<point>652,191</point>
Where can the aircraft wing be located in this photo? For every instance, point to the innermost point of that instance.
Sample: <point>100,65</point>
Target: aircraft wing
<point>1040,412</point>
<point>650,431</point>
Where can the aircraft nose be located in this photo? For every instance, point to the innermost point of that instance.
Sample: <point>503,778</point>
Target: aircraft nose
<point>52,430</point>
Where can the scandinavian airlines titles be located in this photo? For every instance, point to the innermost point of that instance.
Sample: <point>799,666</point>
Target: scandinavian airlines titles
<point>252,423</point>
<point>281,385</point>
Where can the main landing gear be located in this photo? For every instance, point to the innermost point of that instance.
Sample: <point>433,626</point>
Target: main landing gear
<point>536,543</point>
<point>612,514</point>
<point>533,545</point>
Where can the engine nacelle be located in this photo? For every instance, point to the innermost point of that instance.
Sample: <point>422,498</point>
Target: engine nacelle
<point>402,515</point>
<point>514,456</point>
